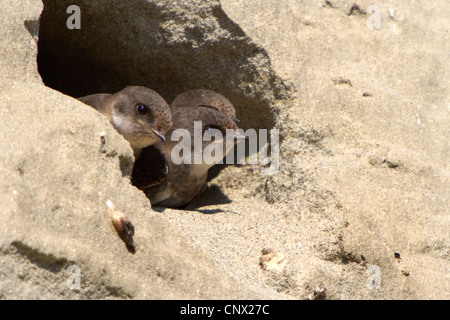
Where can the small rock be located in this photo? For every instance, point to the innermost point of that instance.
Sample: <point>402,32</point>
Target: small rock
<point>318,294</point>
<point>272,260</point>
<point>391,13</point>
<point>124,227</point>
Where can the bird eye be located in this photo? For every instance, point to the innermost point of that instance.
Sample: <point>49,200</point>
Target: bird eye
<point>142,110</point>
<point>210,127</point>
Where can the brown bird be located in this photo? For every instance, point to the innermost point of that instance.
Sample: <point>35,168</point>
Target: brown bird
<point>140,114</point>
<point>169,183</point>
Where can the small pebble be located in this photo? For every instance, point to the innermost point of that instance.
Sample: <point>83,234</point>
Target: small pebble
<point>272,260</point>
<point>124,227</point>
<point>391,13</point>
<point>318,294</point>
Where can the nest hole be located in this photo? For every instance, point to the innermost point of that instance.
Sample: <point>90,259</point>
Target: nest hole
<point>160,46</point>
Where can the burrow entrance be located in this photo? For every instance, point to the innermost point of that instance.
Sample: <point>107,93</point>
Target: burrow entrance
<point>168,46</point>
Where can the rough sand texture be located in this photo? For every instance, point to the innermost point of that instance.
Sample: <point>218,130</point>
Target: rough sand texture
<point>362,188</point>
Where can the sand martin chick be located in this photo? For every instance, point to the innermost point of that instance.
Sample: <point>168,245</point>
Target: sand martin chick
<point>169,184</point>
<point>140,114</point>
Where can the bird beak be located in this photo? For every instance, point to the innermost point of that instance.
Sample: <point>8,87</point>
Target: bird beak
<point>159,135</point>
<point>235,119</point>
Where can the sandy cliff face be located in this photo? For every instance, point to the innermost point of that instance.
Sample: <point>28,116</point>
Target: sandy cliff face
<point>359,204</point>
